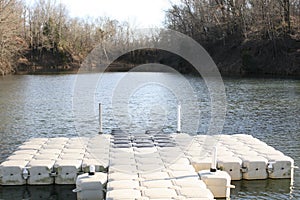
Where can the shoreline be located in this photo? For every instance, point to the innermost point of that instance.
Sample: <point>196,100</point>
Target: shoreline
<point>224,75</point>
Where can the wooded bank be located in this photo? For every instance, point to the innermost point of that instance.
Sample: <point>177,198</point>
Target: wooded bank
<point>242,36</point>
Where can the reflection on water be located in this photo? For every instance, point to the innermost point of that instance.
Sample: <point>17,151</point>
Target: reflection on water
<point>45,106</point>
<point>53,192</point>
<point>261,189</point>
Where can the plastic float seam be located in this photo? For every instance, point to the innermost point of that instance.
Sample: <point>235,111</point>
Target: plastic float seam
<point>270,167</point>
<point>244,169</point>
<point>25,173</point>
<point>53,174</point>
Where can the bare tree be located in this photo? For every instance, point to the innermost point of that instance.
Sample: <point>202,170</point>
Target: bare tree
<point>11,42</point>
<point>216,19</point>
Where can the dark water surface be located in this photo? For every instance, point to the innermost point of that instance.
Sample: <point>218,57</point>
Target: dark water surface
<point>67,105</point>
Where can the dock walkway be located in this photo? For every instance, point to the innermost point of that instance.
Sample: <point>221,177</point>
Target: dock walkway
<point>144,166</point>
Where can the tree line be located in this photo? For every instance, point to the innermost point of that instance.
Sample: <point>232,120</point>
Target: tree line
<point>207,20</point>
<point>254,36</point>
<point>44,36</point>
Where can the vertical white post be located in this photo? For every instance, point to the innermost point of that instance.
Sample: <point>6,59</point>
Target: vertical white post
<point>100,118</point>
<point>213,167</point>
<point>178,118</point>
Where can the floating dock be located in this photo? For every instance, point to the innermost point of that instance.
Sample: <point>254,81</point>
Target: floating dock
<point>152,165</point>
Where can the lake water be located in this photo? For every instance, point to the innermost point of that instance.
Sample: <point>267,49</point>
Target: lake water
<point>67,105</point>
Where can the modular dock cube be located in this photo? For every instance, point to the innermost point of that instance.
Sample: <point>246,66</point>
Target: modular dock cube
<point>217,182</point>
<point>67,171</point>
<point>40,172</point>
<point>11,172</point>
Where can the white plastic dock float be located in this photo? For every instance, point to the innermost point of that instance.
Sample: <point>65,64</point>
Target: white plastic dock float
<point>39,171</point>
<point>145,166</point>
<point>67,171</point>
<point>254,167</point>
<point>12,172</point>
<point>123,194</point>
<point>280,167</point>
<point>232,165</point>
<point>91,186</point>
<point>217,182</point>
